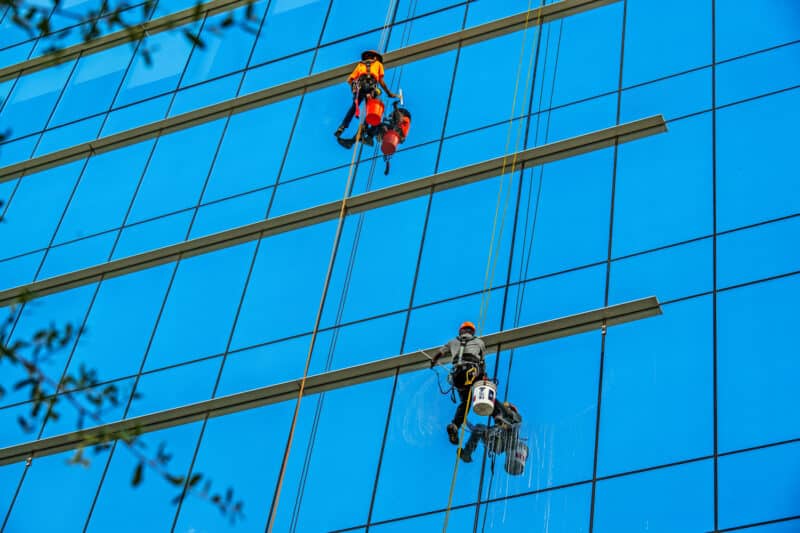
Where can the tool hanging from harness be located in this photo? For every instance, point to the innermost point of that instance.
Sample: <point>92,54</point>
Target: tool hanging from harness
<point>394,132</point>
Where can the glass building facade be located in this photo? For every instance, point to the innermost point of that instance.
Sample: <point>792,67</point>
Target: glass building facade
<point>677,423</point>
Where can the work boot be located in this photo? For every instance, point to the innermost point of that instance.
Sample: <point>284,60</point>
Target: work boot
<point>339,131</point>
<point>369,140</point>
<point>452,433</point>
<point>466,455</point>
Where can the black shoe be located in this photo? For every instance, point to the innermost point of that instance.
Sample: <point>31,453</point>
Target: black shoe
<point>466,455</point>
<point>339,131</point>
<point>346,143</point>
<point>369,141</point>
<point>452,433</point>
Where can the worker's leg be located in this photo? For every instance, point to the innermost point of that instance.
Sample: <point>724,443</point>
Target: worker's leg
<point>348,117</point>
<point>477,434</point>
<point>458,418</point>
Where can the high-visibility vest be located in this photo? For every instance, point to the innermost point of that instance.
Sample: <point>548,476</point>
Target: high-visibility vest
<point>372,68</point>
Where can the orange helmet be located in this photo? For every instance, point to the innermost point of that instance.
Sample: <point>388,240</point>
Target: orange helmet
<point>371,54</point>
<point>467,325</point>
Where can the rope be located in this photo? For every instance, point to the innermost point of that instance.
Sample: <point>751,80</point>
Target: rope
<point>491,260</point>
<point>528,241</point>
<point>315,330</point>
<point>326,286</point>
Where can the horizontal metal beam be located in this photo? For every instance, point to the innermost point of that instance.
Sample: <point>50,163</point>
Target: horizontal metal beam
<point>293,88</point>
<point>330,211</point>
<point>504,340</point>
<point>117,38</point>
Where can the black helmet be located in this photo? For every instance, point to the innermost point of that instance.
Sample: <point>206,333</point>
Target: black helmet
<point>371,54</point>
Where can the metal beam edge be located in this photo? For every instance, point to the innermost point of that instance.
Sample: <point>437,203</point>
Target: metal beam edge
<point>322,213</point>
<point>150,28</point>
<point>286,90</point>
<point>316,384</point>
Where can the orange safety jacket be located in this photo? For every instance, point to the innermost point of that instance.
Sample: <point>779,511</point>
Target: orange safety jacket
<point>372,68</point>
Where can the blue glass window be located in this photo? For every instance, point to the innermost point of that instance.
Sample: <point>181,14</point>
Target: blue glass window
<point>280,36</point>
<point>647,501</point>
<point>758,74</point>
<point>758,253</point>
<point>758,366</point>
<point>670,273</point>
<point>652,30</point>
<point>186,331</point>
<point>748,135</point>
<point>758,486</point>
<point>27,109</point>
<point>46,483</point>
<point>663,187</point>
<point>657,378</point>
<point>740,28</point>
<point>559,511</point>
<point>116,336</point>
<point>283,295</point>
<point>673,97</point>
<point>154,493</point>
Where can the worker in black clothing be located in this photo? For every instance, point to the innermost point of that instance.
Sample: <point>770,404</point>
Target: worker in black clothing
<point>468,353</point>
<point>502,437</point>
<point>364,81</point>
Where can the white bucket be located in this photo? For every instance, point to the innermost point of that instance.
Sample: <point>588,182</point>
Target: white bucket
<point>516,459</point>
<point>483,393</point>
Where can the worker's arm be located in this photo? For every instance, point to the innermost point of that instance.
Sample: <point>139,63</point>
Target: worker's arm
<point>444,350</point>
<point>389,93</point>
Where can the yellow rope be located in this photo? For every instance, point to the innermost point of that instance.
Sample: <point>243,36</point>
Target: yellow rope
<point>491,260</point>
<point>342,211</point>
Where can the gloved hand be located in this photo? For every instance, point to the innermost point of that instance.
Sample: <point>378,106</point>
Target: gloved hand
<point>435,360</point>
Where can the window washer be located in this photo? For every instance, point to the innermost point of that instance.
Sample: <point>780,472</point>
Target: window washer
<point>468,353</point>
<point>364,82</point>
<point>501,437</point>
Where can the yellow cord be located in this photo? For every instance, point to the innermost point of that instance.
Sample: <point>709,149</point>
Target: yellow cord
<point>491,260</point>
<point>342,211</point>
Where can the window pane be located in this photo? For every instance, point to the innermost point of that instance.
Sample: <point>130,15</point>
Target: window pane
<point>469,106</point>
<point>659,43</point>
<point>251,470</point>
<point>104,193</point>
<point>554,386</point>
<point>758,365</point>
<point>674,97</point>
<point>342,23</point>
<point>739,32</point>
<point>417,437</point>
<point>588,54</point>
<point>93,84</point>
<point>28,107</point>
<point>47,481</point>
<point>225,48</point>
<point>315,507</point>
<point>670,273</point>
<point>186,331</point>
<point>568,224</point>
<point>35,209</point>
<point>377,259</point>
<point>663,188</point>
<point>282,296</point>
<point>172,180</point>
<point>280,36</point>
<point>236,170</point>
<point>758,253</point>
<point>77,255</point>
<point>58,310</point>
<point>758,74</point>
<point>657,378</point>
<point>560,511</point>
<point>156,233</point>
<point>232,213</point>
<point>174,387</point>
<point>647,501</point>
<point>457,249</point>
<point>154,494</point>
<point>162,72</point>
<point>748,135</point>
<point>758,486</point>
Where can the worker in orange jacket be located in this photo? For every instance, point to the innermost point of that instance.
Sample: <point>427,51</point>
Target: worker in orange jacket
<point>364,82</point>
